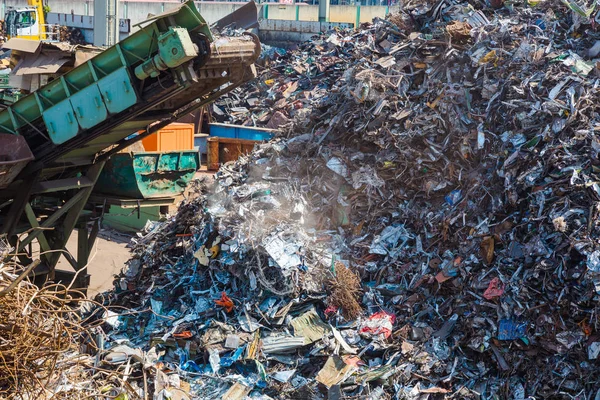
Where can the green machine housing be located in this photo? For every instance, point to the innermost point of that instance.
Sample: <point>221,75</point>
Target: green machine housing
<point>67,130</point>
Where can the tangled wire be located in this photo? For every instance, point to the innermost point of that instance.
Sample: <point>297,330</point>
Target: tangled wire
<point>344,291</point>
<point>37,327</point>
<point>42,333</point>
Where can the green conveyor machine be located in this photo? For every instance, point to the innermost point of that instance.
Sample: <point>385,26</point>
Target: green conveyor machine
<point>55,141</point>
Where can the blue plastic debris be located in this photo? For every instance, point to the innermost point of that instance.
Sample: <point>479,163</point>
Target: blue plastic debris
<point>510,329</point>
<point>191,366</point>
<point>541,23</point>
<point>453,197</point>
<point>228,361</point>
<point>183,356</point>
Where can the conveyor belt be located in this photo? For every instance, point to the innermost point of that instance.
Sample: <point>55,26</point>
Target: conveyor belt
<point>168,68</point>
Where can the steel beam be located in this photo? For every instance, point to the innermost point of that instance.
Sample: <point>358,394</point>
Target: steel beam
<point>49,222</point>
<point>83,248</point>
<point>44,245</point>
<point>18,206</point>
<point>73,213</point>
<point>62,184</point>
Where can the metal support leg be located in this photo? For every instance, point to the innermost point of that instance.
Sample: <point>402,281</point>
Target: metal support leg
<point>44,245</point>
<point>94,234</point>
<point>83,249</point>
<point>73,214</point>
<point>49,222</point>
<point>60,224</point>
<point>18,205</point>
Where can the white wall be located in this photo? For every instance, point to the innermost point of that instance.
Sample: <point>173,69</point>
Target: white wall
<point>80,7</point>
<point>136,10</point>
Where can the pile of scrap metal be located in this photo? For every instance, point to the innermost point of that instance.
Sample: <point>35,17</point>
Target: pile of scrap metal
<point>426,227</point>
<point>43,332</point>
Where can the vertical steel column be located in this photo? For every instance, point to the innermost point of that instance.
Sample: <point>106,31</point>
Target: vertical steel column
<point>19,203</point>
<point>73,214</point>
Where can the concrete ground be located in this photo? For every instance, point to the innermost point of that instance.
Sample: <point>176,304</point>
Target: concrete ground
<point>107,258</point>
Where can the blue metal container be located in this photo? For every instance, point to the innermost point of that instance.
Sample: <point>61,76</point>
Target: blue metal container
<point>241,132</point>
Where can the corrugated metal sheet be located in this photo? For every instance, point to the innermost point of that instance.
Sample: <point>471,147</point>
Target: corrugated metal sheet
<point>41,64</point>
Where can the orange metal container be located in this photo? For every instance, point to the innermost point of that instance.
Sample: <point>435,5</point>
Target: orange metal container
<point>173,137</point>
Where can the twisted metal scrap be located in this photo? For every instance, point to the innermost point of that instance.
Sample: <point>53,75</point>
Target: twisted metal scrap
<point>41,331</point>
<point>37,326</point>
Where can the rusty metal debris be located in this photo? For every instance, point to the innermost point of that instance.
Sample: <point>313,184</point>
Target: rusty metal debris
<point>47,341</point>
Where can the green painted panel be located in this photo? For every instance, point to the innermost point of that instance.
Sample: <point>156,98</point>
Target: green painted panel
<point>145,163</point>
<point>7,124</point>
<point>118,177</point>
<point>164,184</point>
<point>61,123</point>
<point>148,174</point>
<point>126,219</point>
<point>53,93</point>
<point>89,107</point>
<point>108,61</point>
<point>189,17</point>
<point>140,45</point>
<point>80,77</point>
<point>117,91</point>
<point>168,162</point>
<point>26,110</point>
<point>188,161</point>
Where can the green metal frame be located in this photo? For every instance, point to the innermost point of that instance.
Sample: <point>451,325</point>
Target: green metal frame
<point>87,95</point>
<point>76,122</point>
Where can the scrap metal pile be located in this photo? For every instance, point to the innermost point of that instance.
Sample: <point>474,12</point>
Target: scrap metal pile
<point>46,343</point>
<point>426,226</point>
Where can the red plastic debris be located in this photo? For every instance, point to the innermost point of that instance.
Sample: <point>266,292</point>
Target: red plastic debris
<point>225,302</point>
<point>380,323</point>
<point>330,310</point>
<point>183,335</point>
<point>495,289</point>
